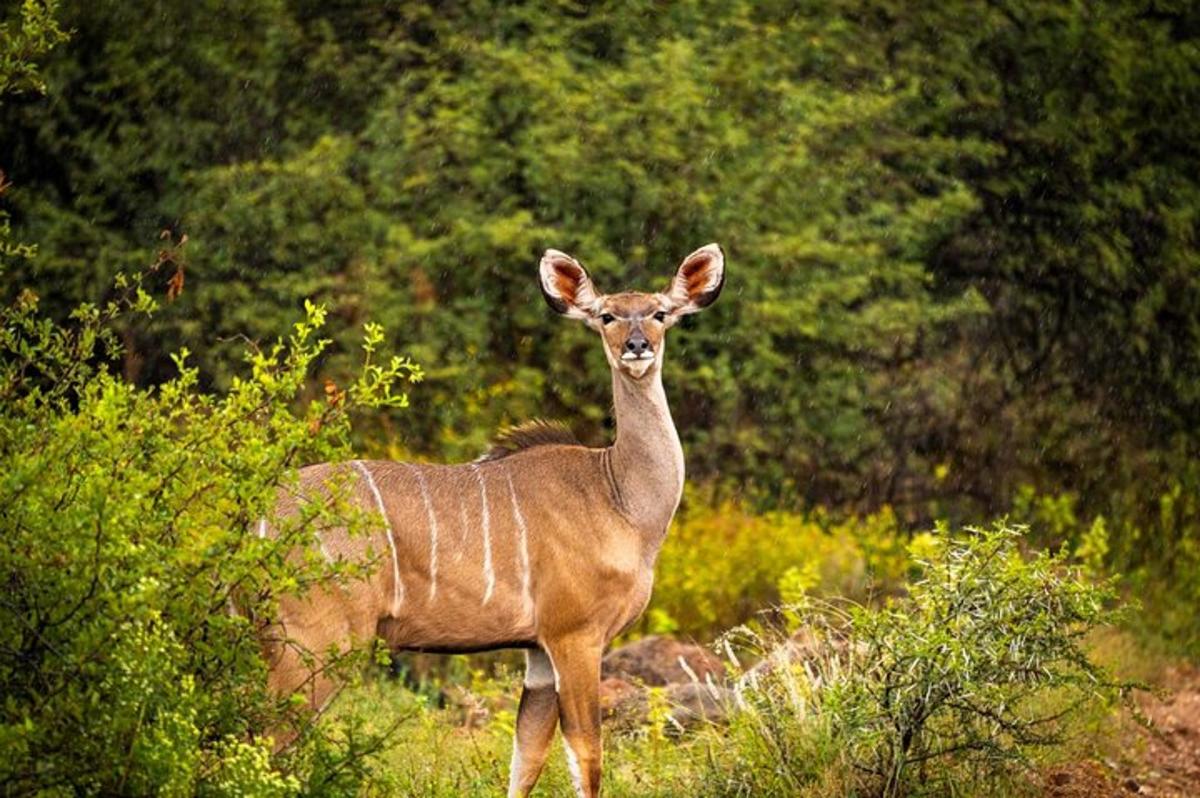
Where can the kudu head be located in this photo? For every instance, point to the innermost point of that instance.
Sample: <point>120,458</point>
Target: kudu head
<point>632,325</point>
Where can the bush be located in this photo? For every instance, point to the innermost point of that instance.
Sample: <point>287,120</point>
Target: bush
<point>962,668</point>
<point>125,541</point>
<point>720,565</point>
<point>1150,533</point>
<point>951,688</point>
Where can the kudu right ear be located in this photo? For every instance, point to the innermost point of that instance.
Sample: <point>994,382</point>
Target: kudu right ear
<point>566,286</point>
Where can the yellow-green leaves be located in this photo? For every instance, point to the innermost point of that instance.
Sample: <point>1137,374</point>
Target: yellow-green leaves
<point>135,581</point>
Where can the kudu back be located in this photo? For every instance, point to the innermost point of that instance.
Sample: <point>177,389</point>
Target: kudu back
<point>542,544</point>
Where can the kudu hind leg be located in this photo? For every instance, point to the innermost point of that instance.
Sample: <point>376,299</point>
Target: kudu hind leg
<point>577,665</point>
<point>536,718</point>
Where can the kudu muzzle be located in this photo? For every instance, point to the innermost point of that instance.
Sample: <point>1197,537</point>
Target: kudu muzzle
<point>636,346</point>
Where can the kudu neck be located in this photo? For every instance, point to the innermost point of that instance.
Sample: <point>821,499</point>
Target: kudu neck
<point>647,459</point>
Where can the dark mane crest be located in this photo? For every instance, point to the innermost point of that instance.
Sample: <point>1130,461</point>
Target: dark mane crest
<point>527,435</point>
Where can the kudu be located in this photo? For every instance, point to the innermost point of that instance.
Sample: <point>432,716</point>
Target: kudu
<point>542,544</point>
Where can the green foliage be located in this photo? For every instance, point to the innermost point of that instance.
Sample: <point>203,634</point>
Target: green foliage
<point>23,40</point>
<point>10,249</point>
<point>961,668</point>
<point>722,565</point>
<point>1154,544</point>
<point>480,135</point>
<point>949,690</point>
<point>961,237</point>
<point>134,588</point>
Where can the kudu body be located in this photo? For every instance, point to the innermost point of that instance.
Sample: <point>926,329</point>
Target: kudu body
<point>545,545</point>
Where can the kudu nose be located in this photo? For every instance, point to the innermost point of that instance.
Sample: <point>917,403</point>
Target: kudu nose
<point>637,343</point>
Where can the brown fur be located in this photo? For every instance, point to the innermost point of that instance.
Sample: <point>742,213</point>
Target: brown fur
<point>542,544</point>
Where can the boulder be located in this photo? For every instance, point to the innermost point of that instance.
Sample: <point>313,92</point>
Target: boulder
<point>626,707</point>
<point>623,705</point>
<point>617,694</point>
<point>658,661</point>
<point>693,703</point>
<point>816,652</point>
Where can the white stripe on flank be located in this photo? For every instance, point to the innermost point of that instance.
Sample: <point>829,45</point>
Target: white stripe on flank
<point>398,586</point>
<point>522,546</point>
<point>462,523</point>
<point>262,527</point>
<point>433,529</point>
<point>488,574</point>
<point>321,546</point>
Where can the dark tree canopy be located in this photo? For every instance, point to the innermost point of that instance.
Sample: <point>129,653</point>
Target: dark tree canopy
<point>961,236</point>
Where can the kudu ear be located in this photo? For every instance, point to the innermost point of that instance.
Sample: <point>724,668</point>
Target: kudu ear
<point>566,285</point>
<point>699,280</point>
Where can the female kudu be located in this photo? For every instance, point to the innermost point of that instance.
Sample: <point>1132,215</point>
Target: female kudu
<point>542,544</point>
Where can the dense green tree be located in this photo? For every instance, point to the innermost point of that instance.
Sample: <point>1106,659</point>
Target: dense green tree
<point>961,237</point>
<point>1083,237</point>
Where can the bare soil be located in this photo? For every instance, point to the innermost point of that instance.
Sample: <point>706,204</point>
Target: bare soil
<point>1162,761</point>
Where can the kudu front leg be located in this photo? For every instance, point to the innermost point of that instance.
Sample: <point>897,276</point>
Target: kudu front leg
<point>577,665</point>
<point>536,718</point>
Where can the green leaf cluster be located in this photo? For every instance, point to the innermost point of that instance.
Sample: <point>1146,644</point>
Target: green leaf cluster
<point>25,36</point>
<point>135,591</point>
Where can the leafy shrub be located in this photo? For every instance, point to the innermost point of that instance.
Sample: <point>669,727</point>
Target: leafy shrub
<point>125,541</point>
<point>1150,534</point>
<point>23,40</point>
<point>951,687</point>
<point>720,565</point>
<point>961,669</point>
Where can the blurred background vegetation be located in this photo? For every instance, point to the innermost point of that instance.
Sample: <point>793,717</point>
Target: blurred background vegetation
<point>961,238</point>
<point>963,274</point>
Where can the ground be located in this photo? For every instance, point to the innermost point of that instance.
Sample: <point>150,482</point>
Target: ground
<point>1162,761</point>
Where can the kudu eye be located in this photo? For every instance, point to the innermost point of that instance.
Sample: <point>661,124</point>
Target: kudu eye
<point>661,316</point>
<point>607,318</point>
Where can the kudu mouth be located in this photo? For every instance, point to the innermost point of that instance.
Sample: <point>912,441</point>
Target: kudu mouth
<point>636,365</point>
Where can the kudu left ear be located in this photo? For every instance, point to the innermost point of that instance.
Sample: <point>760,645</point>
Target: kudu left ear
<point>566,285</point>
<point>699,280</point>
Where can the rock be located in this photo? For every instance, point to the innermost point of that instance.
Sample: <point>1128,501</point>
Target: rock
<point>623,706</point>
<point>656,661</point>
<point>819,652</point>
<point>801,646</point>
<point>626,706</point>
<point>616,693</point>
<point>694,703</point>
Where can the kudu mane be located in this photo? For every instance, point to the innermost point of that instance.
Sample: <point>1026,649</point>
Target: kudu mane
<point>527,435</point>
